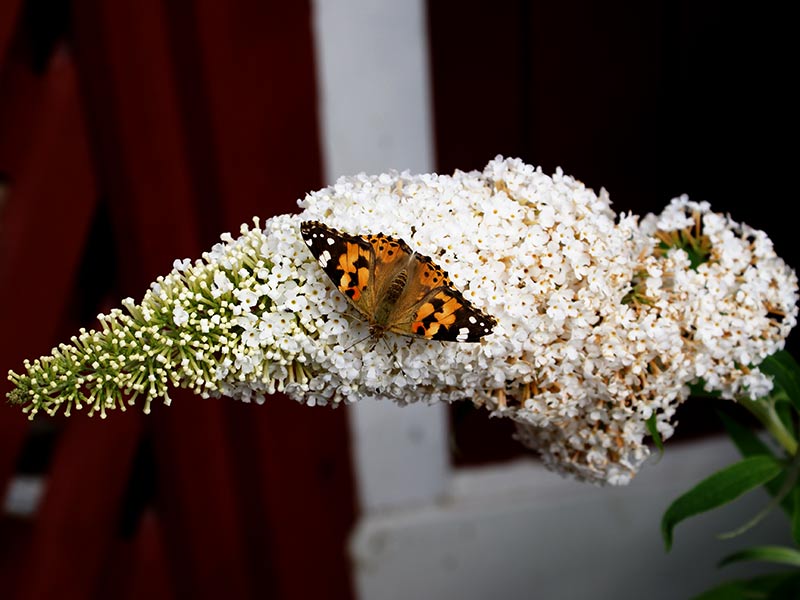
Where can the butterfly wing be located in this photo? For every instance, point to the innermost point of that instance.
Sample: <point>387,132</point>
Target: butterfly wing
<point>392,260</point>
<point>346,259</point>
<point>432,308</point>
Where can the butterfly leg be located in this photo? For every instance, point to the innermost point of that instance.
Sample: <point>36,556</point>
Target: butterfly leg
<point>392,352</point>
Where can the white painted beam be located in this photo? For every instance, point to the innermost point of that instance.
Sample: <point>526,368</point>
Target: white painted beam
<point>375,114</point>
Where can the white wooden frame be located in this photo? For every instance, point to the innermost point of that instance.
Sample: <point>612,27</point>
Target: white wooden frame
<point>375,111</point>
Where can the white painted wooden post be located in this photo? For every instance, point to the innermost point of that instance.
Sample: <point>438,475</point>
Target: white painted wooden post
<point>375,111</point>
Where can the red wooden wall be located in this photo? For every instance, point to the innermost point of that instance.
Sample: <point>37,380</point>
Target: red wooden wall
<point>133,133</point>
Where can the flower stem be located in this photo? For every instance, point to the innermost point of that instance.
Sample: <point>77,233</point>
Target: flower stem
<point>764,410</point>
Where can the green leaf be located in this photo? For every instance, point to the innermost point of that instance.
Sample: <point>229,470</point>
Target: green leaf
<point>785,412</point>
<point>749,444</point>
<point>773,554</point>
<point>785,375</point>
<point>783,496</point>
<point>732,590</point>
<point>795,512</point>
<point>776,586</point>
<point>652,429</point>
<point>718,489</point>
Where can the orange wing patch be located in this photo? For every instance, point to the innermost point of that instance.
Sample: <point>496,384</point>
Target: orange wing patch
<point>354,267</point>
<point>387,250</point>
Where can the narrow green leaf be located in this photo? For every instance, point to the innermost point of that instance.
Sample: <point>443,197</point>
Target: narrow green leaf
<point>773,554</point>
<point>783,496</point>
<point>718,489</point>
<point>652,429</point>
<point>776,586</point>
<point>785,373</point>
<point>730,590</point>
<point>795,499</point>
<point>749,444</point>
<point>786,412</point>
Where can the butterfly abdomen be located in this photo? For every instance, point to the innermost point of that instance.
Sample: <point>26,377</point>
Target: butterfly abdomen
<point>390,297</point>
<point>397,286</point>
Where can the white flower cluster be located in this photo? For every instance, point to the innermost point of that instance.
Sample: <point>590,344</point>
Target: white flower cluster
<point>603,322</point>
<point>709,299</point>
<point>737,306</point>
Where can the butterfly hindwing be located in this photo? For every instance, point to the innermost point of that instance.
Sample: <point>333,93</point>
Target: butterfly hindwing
<point>439,311</point>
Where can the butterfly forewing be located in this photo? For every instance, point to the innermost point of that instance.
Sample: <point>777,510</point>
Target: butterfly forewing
<point>346,259</point>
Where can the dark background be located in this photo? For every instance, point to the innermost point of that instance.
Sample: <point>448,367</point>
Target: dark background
<point>134,133</point>
<point>649,100</point>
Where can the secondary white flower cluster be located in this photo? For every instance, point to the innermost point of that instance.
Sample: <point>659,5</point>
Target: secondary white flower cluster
<point>603,321</point>
<point>708,300</point>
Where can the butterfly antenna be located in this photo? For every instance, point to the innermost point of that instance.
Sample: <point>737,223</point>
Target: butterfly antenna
<point>349,317</point>
<point>358,341</point>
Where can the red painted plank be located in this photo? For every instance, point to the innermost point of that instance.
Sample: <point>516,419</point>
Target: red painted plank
<point>296,489</point>
<point>203,531</point>
<point>251,63</point>
<point>9,13</point>
<point>15,534</point>
<point>137,568</point>
<point>149,578</point>
<point>247,89</point>
<point>75,525</point>
<point>50,201</point>
<point>130,83</point>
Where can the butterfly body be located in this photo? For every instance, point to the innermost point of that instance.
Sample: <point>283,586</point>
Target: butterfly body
<point>394,288</point>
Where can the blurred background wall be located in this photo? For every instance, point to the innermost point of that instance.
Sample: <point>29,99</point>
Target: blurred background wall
<point>134,133</point>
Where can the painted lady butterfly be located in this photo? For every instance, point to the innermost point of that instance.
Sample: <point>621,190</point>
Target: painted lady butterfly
<point>394,288</point>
